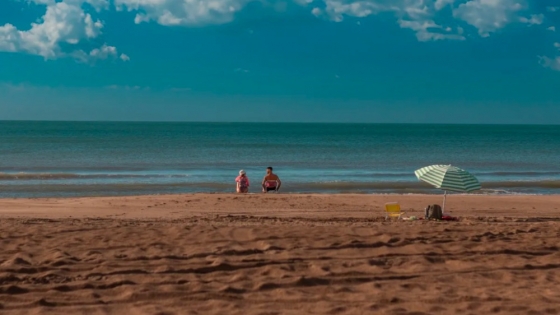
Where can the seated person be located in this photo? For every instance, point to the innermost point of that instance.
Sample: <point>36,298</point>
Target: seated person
<point>242,182</point>
<point>271,181</point>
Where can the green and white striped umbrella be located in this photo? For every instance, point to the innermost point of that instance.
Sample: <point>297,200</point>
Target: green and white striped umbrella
<point>447,177</point>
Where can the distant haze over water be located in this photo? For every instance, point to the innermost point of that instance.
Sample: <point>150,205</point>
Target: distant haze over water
<point>40,159</point>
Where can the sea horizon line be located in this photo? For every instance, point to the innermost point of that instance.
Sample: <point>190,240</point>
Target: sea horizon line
<point>274,122</point>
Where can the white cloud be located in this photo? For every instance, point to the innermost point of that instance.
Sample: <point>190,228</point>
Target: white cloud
<point>64,23</point>
<point>426,30</point>
<point>124,57</point>
<point>553,9</point>
<point>96,4</point>
<point>552,63</point>
<point>489,15</point>
<point>535,19</point>
<point>103,52</point>
<point>303,2</point>
<point>552,28</point>
<point>183,12</point>
<point>316,11</point>
<point>337,9</point>
<point>427,17</point>
<point>440,4</point>
<point>417,15</point>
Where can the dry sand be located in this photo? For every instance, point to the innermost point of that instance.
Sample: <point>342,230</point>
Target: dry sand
<point>278,254</point>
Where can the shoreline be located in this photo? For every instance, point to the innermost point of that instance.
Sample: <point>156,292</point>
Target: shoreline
<point>61,190</point>
<point>473,194</point>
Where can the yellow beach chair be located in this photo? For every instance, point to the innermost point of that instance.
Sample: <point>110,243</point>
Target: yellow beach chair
<point>393,210</point>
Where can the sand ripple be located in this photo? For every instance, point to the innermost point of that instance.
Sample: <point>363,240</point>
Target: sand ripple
<point>278,265</point>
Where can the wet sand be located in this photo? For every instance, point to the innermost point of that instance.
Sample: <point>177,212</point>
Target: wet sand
<point>278,254</point>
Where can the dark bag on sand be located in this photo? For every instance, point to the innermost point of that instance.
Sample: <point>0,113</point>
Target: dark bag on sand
<point>433,212</point>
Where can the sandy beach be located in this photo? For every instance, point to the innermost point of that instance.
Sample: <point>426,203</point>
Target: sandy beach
<point>278,254</point>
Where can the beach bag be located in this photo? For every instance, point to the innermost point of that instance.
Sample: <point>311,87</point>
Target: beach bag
<point>433,212</point>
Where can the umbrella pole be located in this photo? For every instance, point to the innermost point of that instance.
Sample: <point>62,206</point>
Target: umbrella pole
<point>444,197</point>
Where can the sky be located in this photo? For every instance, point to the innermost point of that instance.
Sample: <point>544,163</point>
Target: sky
<point>378,61</point>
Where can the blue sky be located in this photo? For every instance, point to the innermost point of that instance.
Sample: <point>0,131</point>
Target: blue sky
<point>417,61</point>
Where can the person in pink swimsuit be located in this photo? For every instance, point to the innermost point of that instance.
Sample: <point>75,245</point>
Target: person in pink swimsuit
<point>242,182</point>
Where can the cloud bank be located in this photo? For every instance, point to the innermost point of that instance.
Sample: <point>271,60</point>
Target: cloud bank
<point>67,24</point>
<point>64,23</point>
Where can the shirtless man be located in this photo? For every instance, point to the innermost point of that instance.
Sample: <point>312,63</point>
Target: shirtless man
<point>270,181</point>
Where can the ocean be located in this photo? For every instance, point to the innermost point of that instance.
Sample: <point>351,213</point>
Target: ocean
<point>62,159</point>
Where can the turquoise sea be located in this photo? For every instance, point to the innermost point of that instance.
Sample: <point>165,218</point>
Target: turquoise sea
<point>40,159</point>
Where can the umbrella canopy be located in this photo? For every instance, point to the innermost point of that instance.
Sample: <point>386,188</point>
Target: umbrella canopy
<point>447,177</point>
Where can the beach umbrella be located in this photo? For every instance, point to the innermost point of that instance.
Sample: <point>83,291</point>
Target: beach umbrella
<point>447,177</point>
